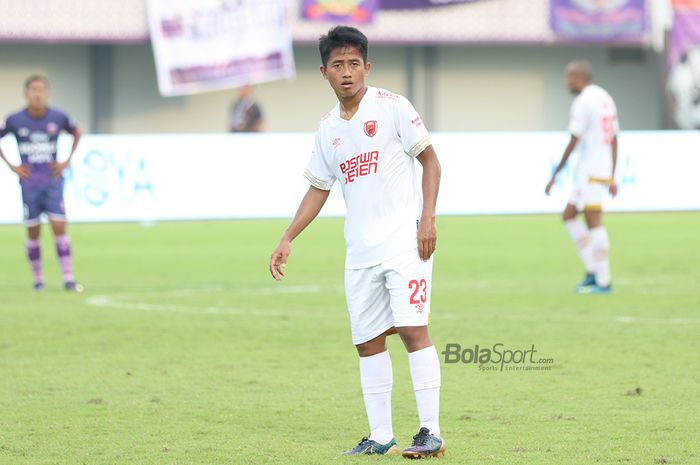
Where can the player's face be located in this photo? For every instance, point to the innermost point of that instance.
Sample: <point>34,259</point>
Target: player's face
<point>346,71</point>
<point>37,94</point>
<point>573,81</point>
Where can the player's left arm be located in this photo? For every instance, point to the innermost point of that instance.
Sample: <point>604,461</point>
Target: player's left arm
<point>427,231</point>
<point>59,167</point>
<point>613,152</point>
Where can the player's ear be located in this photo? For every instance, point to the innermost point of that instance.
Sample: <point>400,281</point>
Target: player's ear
<point>323,72</point>
<point>368,66</point>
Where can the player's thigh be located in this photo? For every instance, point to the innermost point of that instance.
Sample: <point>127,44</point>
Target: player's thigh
<point>593,196</point>
<point>575,203</point>
<point>409,280</point>
<point>33,200</point>
<point>368,304</point>
<point>55,206</point>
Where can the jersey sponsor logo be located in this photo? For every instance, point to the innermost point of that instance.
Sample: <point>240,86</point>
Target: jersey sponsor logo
<point>23,132</point>
<point>417,121</point>
<point>363,164</point>
<point>371,128</point>
<point>52,129</point>
<point>385,94</point>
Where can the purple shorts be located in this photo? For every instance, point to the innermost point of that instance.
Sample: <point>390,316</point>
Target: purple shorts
<point>46,198</point>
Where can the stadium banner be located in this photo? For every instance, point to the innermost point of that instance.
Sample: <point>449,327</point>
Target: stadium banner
<point>593,20</point>
<point>205,45</point>
<point>339,11</point>
<point>683,79</point>
<point>219,176</point>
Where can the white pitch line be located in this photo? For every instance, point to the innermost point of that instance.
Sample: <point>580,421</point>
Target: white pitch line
<point>132,300</point>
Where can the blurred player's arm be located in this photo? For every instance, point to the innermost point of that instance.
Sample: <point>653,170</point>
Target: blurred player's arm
<point>613,150</point>
<point>59,167</point>
<point>427,231</point>
<point>567,153</point>
<point>20,170</point>
<point>308,209</point>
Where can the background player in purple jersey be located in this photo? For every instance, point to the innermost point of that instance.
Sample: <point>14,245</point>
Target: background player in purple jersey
<point>36,129</point>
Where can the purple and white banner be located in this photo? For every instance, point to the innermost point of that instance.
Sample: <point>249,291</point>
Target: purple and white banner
<point>684,64</point>
<point>205,45</point>
<point>339,11</point>
<point>599,20</point>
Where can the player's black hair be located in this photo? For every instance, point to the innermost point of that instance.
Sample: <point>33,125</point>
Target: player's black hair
<point>342,36</point>
<point>35,77</point>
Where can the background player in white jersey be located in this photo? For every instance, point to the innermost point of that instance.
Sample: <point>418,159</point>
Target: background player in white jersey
<point>368,143</point>
<point>36,129</point>
<point>594,128</point>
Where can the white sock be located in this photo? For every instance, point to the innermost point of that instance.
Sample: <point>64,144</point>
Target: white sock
<point>425,371</point>
<point>601,250</point>
<point>582,240</point>
<point>376,378</point>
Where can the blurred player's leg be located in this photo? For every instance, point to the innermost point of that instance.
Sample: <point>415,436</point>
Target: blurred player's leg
<point>33,200</point>
<point>65,258</point>
<point>601,250</point>
<point>34,256</point>
<point>581,237</point>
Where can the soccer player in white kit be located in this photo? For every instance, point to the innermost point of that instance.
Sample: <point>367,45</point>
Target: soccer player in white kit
<point>594,128</point>
<point>368,143</point>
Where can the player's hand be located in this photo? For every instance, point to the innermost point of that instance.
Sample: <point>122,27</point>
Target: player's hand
<point>57,168</point>
<point>550,184</point>
<point>20,170</point>
<point>427,238</point>
<point>613,188</point>
<point>278,260</point>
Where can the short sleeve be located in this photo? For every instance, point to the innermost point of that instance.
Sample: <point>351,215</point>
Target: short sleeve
<point>68,124</point>
<point>4,128</point>
<point>577,120</point>
<point>317,171</point>
<point>412,132</point>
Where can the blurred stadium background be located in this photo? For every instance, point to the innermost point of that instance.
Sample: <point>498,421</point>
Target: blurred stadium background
<point>182,351</point>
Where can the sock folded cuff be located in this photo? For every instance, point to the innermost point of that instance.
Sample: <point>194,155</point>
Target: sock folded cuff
<point>376,374</point>
<point>63,240</point>
<point>425,368</point>
<point>599,236</point>
<point>32,243</point>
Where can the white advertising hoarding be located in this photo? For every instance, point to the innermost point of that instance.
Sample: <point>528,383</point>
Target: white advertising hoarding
<point>216,176</point>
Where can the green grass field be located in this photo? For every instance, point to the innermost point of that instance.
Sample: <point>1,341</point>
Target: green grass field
<point>183,350</point>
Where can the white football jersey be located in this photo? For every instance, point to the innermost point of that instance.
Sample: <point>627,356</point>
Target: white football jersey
<point>372,156</point>
<point>594,122</point>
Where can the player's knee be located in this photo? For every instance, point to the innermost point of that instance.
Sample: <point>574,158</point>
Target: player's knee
<point>371,347</point>
<point>415,337</point>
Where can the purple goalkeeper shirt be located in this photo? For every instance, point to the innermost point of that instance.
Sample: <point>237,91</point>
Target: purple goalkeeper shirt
<point>37,141</point>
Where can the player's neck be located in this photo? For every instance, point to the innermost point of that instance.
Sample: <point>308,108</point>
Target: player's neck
<point>37,112</point>
<point>350,105</point>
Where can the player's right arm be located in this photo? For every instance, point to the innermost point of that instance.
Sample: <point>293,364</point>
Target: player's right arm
<point>578,122</point>
<point>308,209</point>
<point>321,179</point>
<point>564,158</point>
<point>20,170</point>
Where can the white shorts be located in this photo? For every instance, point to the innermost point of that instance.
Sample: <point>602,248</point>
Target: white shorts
<point>588,195</point>
<point>393,293</point>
